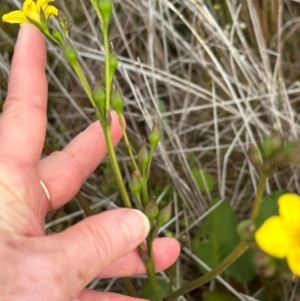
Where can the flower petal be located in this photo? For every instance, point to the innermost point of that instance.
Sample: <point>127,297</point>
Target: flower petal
<point>42,4</point>
<point>293,259</point>
<point>16,16</point>
<point>30,11</point>
<point>50,11</point>
<point>289,209</point>
<point>29,5</point>
<point>272,238</point>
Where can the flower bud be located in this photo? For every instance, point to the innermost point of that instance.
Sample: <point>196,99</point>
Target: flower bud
<point>265,265</point>
<point>58,37</point>
<point>292,152</point>
<point>151,210</point>
<point>143,157</point>
<point>105,7</point>
<point>164,215</point>
<point>64,23</point>
<point>254,155</point>
<point>99,97</point>
<point>246,229</point>
<point>279,159</point>
<point>154,136</point>
<point>272,144</point>
<point>116,100</point>
<point>70,53</point>
<point>268,167</point>
<point>135,184</point>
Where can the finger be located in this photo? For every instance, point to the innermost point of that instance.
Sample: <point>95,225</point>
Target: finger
<point>85,249</point>
<point>89,295</point>
<point>23,122</point>
<point>64,172</point>
<point>165,252</point>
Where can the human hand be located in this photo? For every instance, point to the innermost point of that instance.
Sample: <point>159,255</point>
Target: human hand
<point>59,266</point>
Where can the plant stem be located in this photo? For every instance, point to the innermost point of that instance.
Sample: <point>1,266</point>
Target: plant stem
<point>233,256</point>
<point>150,271</point>
<point>83,204</point>
<point>130,288</point>
<point>107,70</point>
<point>129,148</point>
<point>94,4</point>
<point>84,82</point>
<point>112,155</point>
<point>145,190</point>
<point>47,33</point>
<point>106,124</point>
<point>145,180</point>
<point>259,194</point>
<point>115,165</point>
<point>154,285</point>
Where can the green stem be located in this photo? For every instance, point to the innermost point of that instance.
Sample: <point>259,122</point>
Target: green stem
<point>94,4</point>
<point>107,127</point>
<point>84,82</point>
<point>79,72</point>
<point>84,205</point>
<point>145,190</point>
<point>145,180</point>
<point>151,272</point>
<point>154,285</point>
<point>115,165</point>
<point>233,256</point>
<point>121,121</point>
<point>172,271</point>
<point>107,71</point>
<point>259,194</point>
<point>130,288</point>
<point>47,33</point>
<point>150,240</point>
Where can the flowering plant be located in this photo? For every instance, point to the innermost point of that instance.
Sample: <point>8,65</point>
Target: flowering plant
<point>279,236</point>
<point>35,12</point>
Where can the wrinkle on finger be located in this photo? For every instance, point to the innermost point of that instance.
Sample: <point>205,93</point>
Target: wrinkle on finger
<point>165,250</point>
<point>64,172</point>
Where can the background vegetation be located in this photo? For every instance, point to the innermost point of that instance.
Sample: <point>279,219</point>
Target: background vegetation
<point>218,75</point>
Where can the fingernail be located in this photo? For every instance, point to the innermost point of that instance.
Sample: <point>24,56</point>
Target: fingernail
<point>135,225</point>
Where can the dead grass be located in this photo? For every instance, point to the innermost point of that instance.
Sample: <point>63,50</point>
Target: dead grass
<point>216,74</point>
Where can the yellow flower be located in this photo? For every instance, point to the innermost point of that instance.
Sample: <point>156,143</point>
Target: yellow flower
<point>31,11</point>
<point>279,235</point>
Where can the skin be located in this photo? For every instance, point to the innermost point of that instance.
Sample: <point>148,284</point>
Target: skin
<point>59,266</point>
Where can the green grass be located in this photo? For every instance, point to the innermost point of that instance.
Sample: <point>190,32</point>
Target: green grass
<point>217,76</point>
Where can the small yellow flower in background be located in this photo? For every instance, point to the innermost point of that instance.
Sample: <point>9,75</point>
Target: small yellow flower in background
<point>31,11</point>
<point>279,235</point>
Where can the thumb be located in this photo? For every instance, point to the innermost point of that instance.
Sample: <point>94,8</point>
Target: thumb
<point>94,243</point>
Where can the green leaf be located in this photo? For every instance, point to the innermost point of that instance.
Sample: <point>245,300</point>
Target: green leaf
<point>268,207</point>
<point>218,296</point>
<point>243,269</point>
<point>162,106</point>
<point>204,179</point>
<point>147,290</point>
<point>217,238</point>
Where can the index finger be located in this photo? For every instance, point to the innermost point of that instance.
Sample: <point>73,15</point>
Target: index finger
<point>23,122</point>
